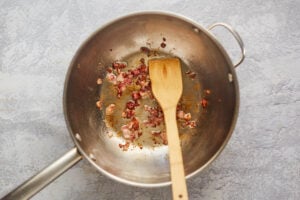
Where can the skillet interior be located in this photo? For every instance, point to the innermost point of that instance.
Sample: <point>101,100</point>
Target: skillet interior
<point>118,41</point>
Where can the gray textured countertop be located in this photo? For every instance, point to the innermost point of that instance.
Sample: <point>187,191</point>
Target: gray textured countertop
<point>37,42</point>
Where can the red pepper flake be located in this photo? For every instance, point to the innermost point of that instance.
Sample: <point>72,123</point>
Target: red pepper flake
<point>163,45</point>
<point>204,103</point>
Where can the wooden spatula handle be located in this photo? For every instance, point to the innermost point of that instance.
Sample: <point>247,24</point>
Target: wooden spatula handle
<point>179,188</point>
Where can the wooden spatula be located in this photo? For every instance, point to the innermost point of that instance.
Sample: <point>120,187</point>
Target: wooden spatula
<point>166,81</point>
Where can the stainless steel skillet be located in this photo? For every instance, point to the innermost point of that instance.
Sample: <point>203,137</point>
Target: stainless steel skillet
<point>121,39</point>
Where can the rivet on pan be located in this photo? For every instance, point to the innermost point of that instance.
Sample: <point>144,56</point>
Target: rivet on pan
<point>196,30</point>
<point>78,137</point>
<point>99,81</point>
<point>92,157</point>
<point>230,77</point>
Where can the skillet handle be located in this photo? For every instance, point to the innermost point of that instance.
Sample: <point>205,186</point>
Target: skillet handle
<point>37,182</point>
<point>236,36</point>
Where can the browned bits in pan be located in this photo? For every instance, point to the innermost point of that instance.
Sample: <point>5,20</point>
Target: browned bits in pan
<point>125,146</point>
<point>204,103</point>
<point>191,74</point>
<point>146,50</point>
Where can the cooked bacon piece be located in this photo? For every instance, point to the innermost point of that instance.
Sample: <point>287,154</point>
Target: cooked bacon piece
<point>126,132</point>
<point>143,68</point>
<point>161,134</point>
<point>134,124</point>
<point>131,130</point>
<point>156,133</point>
<point>110,109</point>
<point>179,106</point>
<point>135,72</point>
<point>131,105</point>
<point>136,95</point>
<point>143,84</point>
<point>120,77</point>
<point>138,80</point>
<point>118,65</point>
<point>128,113</point>
<point>109,70</point>
<point>187,116</point>
<point>192,124</point>
<point>127,81</point>
<point>144,93</point>
<point>155,117</point>
<point>180,114</point>
<point>111,77</point>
